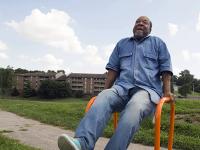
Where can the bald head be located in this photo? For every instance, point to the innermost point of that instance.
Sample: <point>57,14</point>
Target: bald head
<point>142,27</point>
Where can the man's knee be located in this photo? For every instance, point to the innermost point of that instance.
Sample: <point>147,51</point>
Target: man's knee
<point>107,93</point>
<point>108,98</point>
<point>102,97</point>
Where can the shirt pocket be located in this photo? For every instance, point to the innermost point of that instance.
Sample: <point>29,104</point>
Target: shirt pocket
<point>125,60</point>
<point>150,61</point>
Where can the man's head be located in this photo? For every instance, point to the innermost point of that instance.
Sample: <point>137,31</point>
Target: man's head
<point>142,27</point>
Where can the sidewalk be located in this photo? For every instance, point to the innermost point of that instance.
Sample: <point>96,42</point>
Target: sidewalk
<point>39,135</point>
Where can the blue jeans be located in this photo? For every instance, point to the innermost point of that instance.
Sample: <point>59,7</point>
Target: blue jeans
<point>133,110</point>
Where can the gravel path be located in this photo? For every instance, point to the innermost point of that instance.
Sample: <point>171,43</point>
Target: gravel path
<point>41,135</point>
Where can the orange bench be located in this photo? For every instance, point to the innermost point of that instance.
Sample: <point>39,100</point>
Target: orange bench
<point>157,121</point>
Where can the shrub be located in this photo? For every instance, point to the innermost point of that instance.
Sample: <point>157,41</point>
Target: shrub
<point>78,94</point>
<point>14,92</point>
<point>54,89</point>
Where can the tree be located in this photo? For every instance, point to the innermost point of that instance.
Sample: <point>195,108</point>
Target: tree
<point>184,90</point>
<point>185,81</point>
<point>54,89</point>
<point>27,91</point>
<point>63,89</point>
<point>51,71</point>
<point>174,79</point>
<point>197,88</point>
<point>78,94</point>
<point>196,85</point>
<point>20,71</point>
<point>184,78</point>
<point>6,80</point>
<point>14,92</point>
<point>46,89</point>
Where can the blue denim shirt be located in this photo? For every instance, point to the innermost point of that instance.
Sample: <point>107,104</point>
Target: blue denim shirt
<point>140,64</point>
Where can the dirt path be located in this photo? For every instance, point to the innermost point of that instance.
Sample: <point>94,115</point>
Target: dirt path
<point>42,136</point>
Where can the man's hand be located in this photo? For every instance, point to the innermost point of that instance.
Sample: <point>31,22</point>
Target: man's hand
<point>111,77</point>
<point>169,94</point>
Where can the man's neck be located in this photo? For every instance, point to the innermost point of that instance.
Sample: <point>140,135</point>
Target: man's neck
<point>140,39</point>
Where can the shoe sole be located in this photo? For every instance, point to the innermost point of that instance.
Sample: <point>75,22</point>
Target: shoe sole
<point>65,143</point>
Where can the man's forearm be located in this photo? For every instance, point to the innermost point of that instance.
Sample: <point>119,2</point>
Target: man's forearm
<point>166,77</point>
<point>111,77</point>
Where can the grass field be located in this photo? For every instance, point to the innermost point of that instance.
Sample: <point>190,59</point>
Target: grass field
<point>10,144</point>
<point>67,113</point>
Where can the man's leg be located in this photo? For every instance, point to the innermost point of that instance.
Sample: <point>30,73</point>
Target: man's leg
<point>93,123</point>
<point>138,107</point>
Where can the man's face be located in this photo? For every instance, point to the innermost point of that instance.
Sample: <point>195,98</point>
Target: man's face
<point>142,27</point>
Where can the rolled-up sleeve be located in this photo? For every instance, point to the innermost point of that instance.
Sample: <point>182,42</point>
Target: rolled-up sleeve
<point>113,62</point>
<point>164,58</point>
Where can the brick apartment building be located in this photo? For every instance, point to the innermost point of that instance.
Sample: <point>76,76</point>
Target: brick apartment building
<point>90,84</point>
<point>34,79</point>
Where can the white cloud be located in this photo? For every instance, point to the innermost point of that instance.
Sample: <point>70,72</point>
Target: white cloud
<point>176,70</point>
<point>3,55</point>
<point>49,62</point>
<point>173,29</point>
<point>186,55</point>
<point>198,24</point>
<point>3,46</point>
<point>196,55</point>
<point>108,50</point>
<point>52,29</point>
<point>190,56</point>
<point>186,59</point>
<point>23,57</point>
<point>92,56</point>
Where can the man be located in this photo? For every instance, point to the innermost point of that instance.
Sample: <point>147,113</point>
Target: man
<point>133,87</point>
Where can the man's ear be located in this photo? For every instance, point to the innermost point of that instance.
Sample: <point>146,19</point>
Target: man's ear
<point>150,26</point>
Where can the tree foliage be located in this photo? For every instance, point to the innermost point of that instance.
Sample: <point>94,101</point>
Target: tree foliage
<point>14,92</point>
<point>184,90</point>
<point>185,82</point>
<point>54,89</point>
<point>197,88</point>
<point>78,94</point>
<point>6,80</point>
<point>20,71</point>
<point>27,91</point>
<point>185,78</point>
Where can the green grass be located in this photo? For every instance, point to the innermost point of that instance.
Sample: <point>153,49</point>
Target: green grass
<point>195,94</point>
<point>10,144</point>
<point>68,112</point>
<point>65,113</point>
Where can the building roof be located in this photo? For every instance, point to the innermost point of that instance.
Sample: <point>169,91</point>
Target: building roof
<point>43,74</point>
<point>86,75</point>
<point>63,76</point>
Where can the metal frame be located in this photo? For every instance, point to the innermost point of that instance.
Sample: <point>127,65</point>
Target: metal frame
<point>157,120</point>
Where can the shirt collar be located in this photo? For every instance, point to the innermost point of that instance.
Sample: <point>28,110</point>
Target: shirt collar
<point>139,41</point>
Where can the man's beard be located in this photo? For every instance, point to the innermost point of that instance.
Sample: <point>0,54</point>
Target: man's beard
<point>139,34</point>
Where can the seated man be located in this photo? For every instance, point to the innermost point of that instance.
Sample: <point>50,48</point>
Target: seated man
<point>133,87</point>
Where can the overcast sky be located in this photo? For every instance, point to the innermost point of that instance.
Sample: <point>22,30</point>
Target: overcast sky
<point>79,35</point>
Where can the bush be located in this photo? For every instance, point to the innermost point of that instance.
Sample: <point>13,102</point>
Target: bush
<point>14,92</point>
<point>54,89</point>
<point>78,94</point>
<point>184,90</point>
